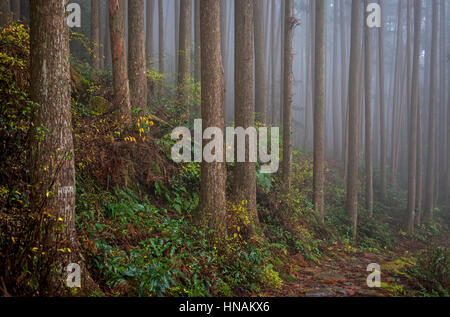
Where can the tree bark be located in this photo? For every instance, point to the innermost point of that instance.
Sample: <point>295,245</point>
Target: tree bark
<point>353,128</point>
<point>5,13</point>
<point>184,54</point>
<point>430,184</point>
<point>121,86</point>
<point>137,67</point>
<point>412,153</point>
<point>383,170</point>
<point>15,4</point>
<point>149,33</point>
<point>319,110</point>
<point>260,62</point>
<point>197,51</point>
<point>161,47</point>
<point>396,98</point>
<point>244,189</point>
<point>95,35</point>
<point>368,118</point>
<point>213,175</point>
<point>102,33</point>
<point>52,156</point>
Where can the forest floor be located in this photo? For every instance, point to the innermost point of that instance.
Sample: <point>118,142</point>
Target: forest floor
<point>343,273</point>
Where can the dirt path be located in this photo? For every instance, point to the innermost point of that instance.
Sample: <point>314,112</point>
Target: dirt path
<point>343,273</point>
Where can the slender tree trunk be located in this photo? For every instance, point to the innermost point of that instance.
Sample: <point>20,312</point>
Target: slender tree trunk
<point>430,184</point>
<point>419,172</point>
<point>15,4</point>
<point>223,44</point>
<point>161,47</point>
<point>412,166</point>
<point>121,86</point>
<point>244,172</point>
<point>95,35</point>
<point>213,175</point>
<point>137,67</point>
<point>184,54</point>
<point>308,104</point>
<point>353,133</point>
<point>52,157</point>
<point>368,118</point>
<point>344,97</point>
<point>274,59</point>
<point>444,56</point>
<point>177,34</point>
<point>260,62</point>
<point>5,13</point>
<point>149,33</point>
<point>102,32</point>
<point>197,51</point>
<point>282,39</point>
<point>319,110</point>
<point>287,94</point>
<point>335,87</point>
<point>108,49</point>
<point>383,170</point>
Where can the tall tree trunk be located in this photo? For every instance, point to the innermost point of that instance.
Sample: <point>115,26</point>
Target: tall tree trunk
<point>308,97</point>
<point>108,50</point>
<point>121,86</point>
<point>383,170</point>
<point>353,128</point>
<point>442,124</point>
<point>274,59</point>
<point>319,110</point>
<point>287,94</point>
<point>5,13</point>
<point>244,172</point>
<point>149,33</point>
<point>282,39</point>
<point>260,62</point>
<point>335,87</point>
<point>430,184</point>
<point>184,54</point>
<point>95,35</point>
<point>197,51</point>
<point>102,33</point>
<point>137,67</point>
<point>213,175</point>
<point>16,9</point>
<point>177,33</point>
<point>344,90</point>
<point>396,98</point>
<point>412,153</point>
<point>223,44</point>
<point>368,118</point>
<point>161,47</point>
<point>419,162</point>
<point>52,157</point>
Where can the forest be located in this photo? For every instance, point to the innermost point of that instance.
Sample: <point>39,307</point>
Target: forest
<point>225,148</point>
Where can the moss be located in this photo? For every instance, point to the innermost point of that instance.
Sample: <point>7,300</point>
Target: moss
<point>271,278</point>
<point>394,289</point>
<point>100,105</point>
